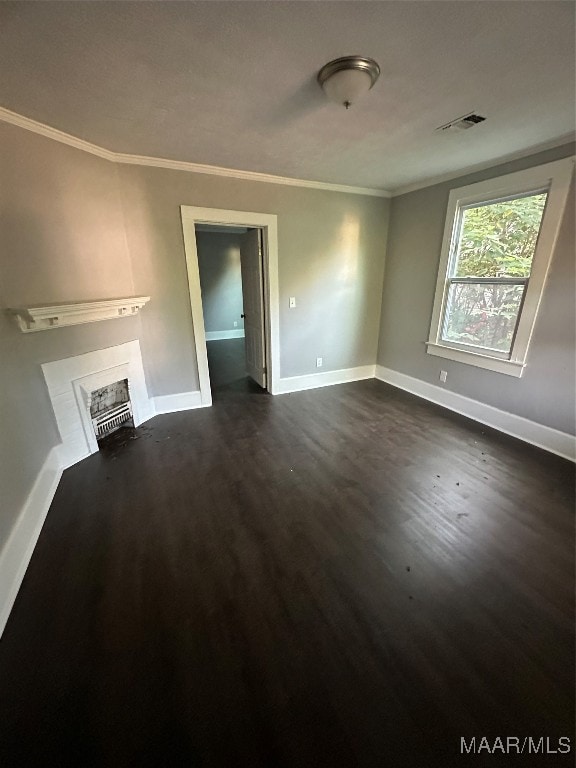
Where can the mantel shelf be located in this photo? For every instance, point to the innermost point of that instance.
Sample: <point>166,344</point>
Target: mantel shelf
<point>32,319</point>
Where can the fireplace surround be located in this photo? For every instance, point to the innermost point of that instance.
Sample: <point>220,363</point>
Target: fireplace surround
<point>71,383</point>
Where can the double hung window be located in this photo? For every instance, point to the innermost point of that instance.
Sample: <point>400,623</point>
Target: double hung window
<point>498,243</point>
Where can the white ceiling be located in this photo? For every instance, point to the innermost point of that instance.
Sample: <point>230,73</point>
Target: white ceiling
<point>233,84</point>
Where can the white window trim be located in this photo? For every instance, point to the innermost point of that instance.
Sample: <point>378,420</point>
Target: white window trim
<point>556,177</point>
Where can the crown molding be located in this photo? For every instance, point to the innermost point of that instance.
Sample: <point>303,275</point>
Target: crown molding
<point>28,124</point>
<point>231,173</point>
<point>567,138</point>
<point>7,116</point>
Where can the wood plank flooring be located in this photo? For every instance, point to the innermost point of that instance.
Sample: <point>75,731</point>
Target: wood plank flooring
<point>227,364</point>
<point>340,577</point>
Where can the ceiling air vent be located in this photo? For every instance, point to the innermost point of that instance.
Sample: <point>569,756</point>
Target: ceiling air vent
<point>462,123</point>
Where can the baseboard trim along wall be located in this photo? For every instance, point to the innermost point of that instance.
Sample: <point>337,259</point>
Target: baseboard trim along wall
<point>235,333</point>
<point>552,440</point>
<point>16,553</point>
<point>183,401</point>
<point>324,379</point>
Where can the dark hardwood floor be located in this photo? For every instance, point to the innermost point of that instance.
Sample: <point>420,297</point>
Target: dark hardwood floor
<point>227,365</point>
<point>344,577</point>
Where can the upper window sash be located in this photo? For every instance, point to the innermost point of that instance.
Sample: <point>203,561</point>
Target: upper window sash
<point>506,198</point>
<point>553,178</point>
<point>481,202</point>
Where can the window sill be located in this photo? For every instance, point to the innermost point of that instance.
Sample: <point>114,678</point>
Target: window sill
<point>508,367</point>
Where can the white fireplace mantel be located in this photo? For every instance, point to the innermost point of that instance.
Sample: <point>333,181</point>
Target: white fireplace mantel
<point>32,319</point>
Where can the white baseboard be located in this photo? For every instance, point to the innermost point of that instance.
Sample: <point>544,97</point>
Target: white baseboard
<point>17,551</point>
<point>237,333</point>
<point>183,401</point>
<point>68,455</point>
<point>325,379</point>
<point>146,412</point>
<point>552,440</point>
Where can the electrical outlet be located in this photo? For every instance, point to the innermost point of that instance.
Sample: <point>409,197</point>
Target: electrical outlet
<point>318,362</point>
<point>443,376</point>
<point>292,303</point>
<point>235,323</point>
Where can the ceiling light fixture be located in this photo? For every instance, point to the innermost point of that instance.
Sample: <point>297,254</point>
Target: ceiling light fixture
<point>345,80</point>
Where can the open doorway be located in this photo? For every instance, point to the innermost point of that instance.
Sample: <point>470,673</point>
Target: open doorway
<point>222,246</point>
<point>232,287</point>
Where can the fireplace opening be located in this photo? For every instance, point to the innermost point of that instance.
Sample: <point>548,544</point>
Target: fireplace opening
<point>110,408</point>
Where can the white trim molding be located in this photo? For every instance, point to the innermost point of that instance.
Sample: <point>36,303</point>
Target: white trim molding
<point>32,319</point>
<point>468,170</point>
<point>28,124</point>
<point>182,401</point>
<point>233,173</point>
<point>268,223</point>
<point>7,116</point>
<point>508,367</point>
<point>324,379</point>
<point>554,180</point>
<point>552,440</point>
<point>20,121</point>
<point>69,380</point>
<point>17,551</point>
<point>235,333</point>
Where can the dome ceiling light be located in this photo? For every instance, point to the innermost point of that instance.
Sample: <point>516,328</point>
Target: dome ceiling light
<point>344,80</point>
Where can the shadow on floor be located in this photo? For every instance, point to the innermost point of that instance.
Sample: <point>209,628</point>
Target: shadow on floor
<point>227,364</point>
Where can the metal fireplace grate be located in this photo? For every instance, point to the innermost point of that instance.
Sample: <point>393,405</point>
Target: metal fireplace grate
<point>112,419</point>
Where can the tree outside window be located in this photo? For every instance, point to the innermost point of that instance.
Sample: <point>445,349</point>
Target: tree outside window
<point>490,271</point>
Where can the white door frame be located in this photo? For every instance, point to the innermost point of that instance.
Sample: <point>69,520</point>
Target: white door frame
<point>268,224</point>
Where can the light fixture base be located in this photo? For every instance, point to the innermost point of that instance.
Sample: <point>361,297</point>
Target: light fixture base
<point>361,63</point>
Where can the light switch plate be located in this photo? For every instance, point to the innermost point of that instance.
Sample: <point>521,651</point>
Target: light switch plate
<point>292,302</point>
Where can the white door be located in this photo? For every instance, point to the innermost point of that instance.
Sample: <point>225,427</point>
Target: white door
<point>253,298</point>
